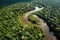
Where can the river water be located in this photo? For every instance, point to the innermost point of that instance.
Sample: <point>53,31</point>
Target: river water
<point>45,28</point>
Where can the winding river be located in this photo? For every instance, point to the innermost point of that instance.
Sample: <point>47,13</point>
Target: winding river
<point>43,25</point>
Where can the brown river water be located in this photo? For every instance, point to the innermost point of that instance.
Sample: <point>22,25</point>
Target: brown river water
<point>43,25</point>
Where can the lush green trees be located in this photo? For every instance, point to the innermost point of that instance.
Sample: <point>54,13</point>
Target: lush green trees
<point>51,14</point>
<point>33,19</point>
<point>11,28</point>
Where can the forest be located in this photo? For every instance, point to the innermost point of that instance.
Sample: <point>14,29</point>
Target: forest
<point>12,28</point>
<point>51,14</point>
<point>34,19</point>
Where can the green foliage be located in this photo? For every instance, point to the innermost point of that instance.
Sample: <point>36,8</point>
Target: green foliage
<point>11,28</point>
<point>34,19</point>
<point>40,34</point>
<point>51,14</point>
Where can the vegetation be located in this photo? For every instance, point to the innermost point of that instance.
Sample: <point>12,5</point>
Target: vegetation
<point>34,19</point>
<point>51,14</point>
<point>11,27</point>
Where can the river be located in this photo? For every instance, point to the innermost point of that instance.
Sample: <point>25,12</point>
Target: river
<point>45,28</point>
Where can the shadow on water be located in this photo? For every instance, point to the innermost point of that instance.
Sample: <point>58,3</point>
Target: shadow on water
<point>7,2</point>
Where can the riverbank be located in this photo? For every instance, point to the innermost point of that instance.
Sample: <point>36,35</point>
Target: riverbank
<point>43,24</point>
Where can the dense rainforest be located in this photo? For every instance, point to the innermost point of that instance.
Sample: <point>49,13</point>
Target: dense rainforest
<point>51,14</point>
<point>12,28</point>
